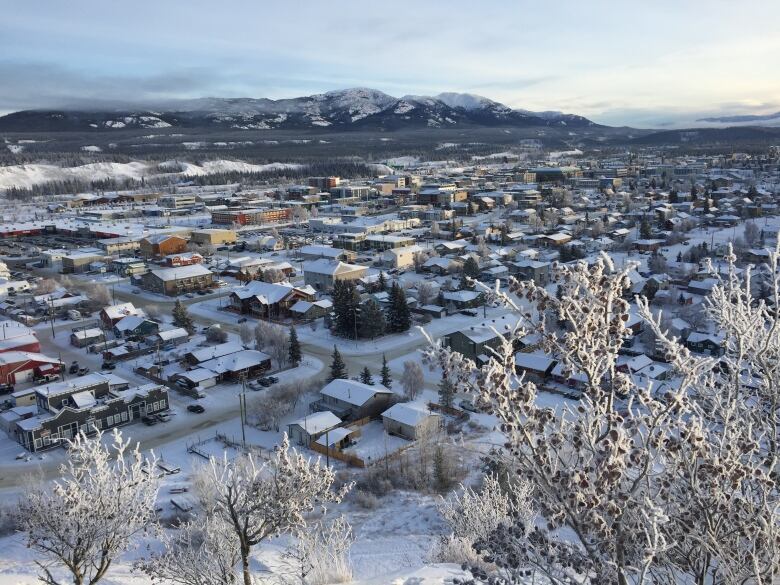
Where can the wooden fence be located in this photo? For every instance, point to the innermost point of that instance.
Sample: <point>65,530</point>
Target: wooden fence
<point>351,460</point>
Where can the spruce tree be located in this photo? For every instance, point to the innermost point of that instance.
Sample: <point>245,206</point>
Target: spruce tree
<point>338,370</point>
<point>382,283</point>
<point>365,376</point>
<point>294,355</point>
<point>471,267</point>
<point>372,320</point>
<point>446,392</point>
<point>345,304</point>
<point>399,317</point>
<point>384,373</point>
<point>182,318</point>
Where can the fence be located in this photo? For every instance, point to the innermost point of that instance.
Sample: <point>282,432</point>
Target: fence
<point>457,413</point>
<point>350,460</point>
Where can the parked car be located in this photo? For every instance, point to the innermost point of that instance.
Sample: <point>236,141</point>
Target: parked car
<point>201,293</point>
<point>74,367</point>
<point>83,371</point>
<point>196,408</point>
<point>242,320</point>
<point>149,420</point>
<point>163,416</point>
<point>136,291</point>
<point>108,366</point>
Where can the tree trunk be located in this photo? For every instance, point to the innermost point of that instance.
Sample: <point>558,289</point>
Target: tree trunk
<point>245,565</point>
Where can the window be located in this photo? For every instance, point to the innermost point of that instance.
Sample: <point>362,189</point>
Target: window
<point>163,403</point>
<point>110,421</point>
<point>124,416</point>
<point>37,443</point>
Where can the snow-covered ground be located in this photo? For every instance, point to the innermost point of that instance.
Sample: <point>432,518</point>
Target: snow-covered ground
<point>25,176</point>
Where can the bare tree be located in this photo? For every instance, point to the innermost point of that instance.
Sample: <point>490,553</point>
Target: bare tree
<point>412,379</point>
<point>262,500</point>
<point>96,512</point>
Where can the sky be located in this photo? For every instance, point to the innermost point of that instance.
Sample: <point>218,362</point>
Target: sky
<point>644,63</point>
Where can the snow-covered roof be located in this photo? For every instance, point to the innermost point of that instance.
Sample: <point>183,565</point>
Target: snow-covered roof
<point>83,399</point>
<point>408,413</point>
<point>191,271</point>
<point>269,293</point>
<point>236,362</point>
<point>120,310</point>
<point>208,353</point>
<point>129,323</point>
<point>88,333</point>
<point>334,436</point>
<point>537,362</point>
<point>352,392</point>
<point>176,333</point>
<point>330,267</point>
<point>317,422</point>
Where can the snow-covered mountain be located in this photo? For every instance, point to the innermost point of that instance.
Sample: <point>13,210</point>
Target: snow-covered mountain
<point>356,108</point>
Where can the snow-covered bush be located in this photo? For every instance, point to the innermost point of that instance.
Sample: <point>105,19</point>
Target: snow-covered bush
<point>320,553</point>
<point>636,483</point>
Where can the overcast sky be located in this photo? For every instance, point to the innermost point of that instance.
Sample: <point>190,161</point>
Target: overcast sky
<point>643,63</point>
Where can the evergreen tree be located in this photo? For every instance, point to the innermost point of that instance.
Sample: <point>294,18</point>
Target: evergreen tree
<point>679,257</point>
<point>471,267</point>
<point>399,318</point>
<point>294,355</point>
<point>385,379</point>
<point>372,320</point>
<point>182,317</point>
<point>382,283</point>
<point>673,198</point>
<point>559,292</point>
<point>446,392</point>
<point>365,376</point>
<point>645,230</point>
<point>338,370</point>
<point>345,306</point>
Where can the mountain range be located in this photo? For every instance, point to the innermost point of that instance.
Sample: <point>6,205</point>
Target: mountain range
<point>356,108</point>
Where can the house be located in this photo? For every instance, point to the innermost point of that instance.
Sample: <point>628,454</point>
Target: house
<point>537,367</point>
<point>353,400</point>
<point>176,281</point>
<point>24,366</point>
<point>213,237</point>
<point>401,257</point>
<point>97,401</point>
<point>86,337</point>
<point>308,311</point>
<point>461,299</point>
<point>246,364</point>
<point>160,245</point>
<point>183,259</point>
<point>475,342</point>
<point>197,379</point>
<point>171,336</point>
<point>309,428</point>
<point>322,274</point>
<point>111,315</point>
<point>411,420</point>
<point>269,300</point>
<point>15,336</point>
<point>315,252</point>
<point>135,326</point>
<point>555,240</point>
<point>706,343</point>
<point>648,245</point>
<point>538,272</point>
<point>198,356</point>
<point>442,266</point>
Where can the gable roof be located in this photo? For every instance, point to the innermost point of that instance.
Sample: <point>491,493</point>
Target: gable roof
<point>352,392</point>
